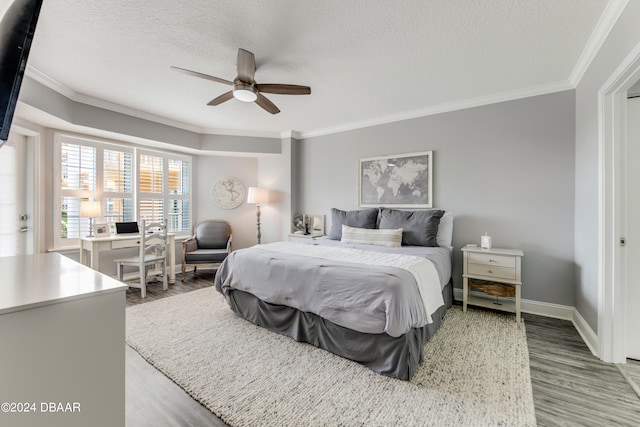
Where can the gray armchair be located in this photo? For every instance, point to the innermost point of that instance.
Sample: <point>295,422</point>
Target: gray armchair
<point>209,245</point>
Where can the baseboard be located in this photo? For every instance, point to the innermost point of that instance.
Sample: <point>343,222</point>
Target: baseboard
<point>589,337</point>
<point>555,311</point>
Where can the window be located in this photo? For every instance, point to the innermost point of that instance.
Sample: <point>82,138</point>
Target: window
<point>129,183</point>
<point>151,187</point>
<point>118,186</point>
<point>164,189</point>
<point>179,183</point>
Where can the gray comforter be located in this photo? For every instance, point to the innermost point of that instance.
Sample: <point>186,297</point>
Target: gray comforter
<point>366,298</point>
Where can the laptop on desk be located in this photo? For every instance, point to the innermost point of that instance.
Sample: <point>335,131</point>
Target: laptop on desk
<point>127,228</point>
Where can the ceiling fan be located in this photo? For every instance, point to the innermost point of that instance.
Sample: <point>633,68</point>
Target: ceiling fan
<point>245,87</point>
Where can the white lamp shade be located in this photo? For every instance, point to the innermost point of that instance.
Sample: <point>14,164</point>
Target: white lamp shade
<point>257,195</point>
<point>89,209</point>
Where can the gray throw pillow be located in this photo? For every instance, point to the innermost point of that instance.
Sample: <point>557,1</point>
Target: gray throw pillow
<point>419,228</point>
<point>365,218</point>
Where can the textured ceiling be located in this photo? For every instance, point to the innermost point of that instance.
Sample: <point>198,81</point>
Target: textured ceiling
<point>364,60</point>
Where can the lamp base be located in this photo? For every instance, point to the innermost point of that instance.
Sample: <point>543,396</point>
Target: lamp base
<point>259,235</point>
<point>90,228</point>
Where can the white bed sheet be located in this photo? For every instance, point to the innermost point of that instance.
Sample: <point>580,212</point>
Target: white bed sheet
<point>440,256</point>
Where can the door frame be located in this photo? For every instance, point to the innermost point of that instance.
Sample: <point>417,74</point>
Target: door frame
<point>34,201</point>
<point>612,215</point>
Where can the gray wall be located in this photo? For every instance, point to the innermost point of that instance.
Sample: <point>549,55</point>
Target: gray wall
<point>506,169</point>
<point>210,169</point>
<point>624,36</point>
<point>279,175</point>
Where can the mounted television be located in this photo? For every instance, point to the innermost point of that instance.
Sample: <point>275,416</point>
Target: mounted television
<point>17,27</point>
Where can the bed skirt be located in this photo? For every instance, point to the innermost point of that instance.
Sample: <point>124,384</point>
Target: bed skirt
<point>396,357</point>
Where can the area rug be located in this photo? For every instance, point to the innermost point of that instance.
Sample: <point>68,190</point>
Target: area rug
<point>475,373</point>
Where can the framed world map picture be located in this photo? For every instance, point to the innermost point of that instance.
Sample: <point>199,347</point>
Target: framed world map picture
<point>399,180</point>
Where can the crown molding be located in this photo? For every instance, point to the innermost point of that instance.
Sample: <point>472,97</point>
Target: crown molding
<point>608,19</point>
<point>412,114</point>
<point>241,132</point>
<point>50,82</point>
<point>55,85</point>
<point>444,108</point>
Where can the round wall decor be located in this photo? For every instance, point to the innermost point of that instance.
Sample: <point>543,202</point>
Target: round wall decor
<point>228,193</point>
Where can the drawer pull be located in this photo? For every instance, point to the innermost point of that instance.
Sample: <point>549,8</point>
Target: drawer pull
<point>490,272</point>
<point>492,260</point>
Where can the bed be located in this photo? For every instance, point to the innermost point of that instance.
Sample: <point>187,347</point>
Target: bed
<point>362,292</point>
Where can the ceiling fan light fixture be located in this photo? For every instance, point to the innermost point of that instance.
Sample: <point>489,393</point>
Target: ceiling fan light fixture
<point>245,88</point>
<point>244,92</point>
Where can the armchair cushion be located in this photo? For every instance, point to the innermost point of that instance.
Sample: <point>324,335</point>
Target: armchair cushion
<point>204,256</point>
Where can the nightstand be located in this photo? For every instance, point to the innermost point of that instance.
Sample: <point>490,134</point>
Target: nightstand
<point>303,238</point>
<point>495,272</point>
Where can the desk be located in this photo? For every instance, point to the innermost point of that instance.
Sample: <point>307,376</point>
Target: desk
<point>94,245</point>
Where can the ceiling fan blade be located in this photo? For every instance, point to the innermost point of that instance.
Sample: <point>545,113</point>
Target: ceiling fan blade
<point>266,104</point>
<point>246,66</point>
<point>203,76</point>
<point>283,89</point>
<point>222,98</point>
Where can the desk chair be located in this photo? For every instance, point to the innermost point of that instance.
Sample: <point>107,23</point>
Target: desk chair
<point>209,245</point>
<point>153,252</point>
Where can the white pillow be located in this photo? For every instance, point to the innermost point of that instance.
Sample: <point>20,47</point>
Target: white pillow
<point>372,236</point>
<point>445,230</point>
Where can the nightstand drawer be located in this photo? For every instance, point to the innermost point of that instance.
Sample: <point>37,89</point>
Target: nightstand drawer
<point>490,271</point>
<point>493,260</point>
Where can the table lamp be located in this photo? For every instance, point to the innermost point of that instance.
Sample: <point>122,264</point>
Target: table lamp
<point>257,195</point>
<point>90,209</point>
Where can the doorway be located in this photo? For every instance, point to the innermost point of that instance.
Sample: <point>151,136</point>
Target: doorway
<point>17,195</point>
<point>613,280</point>
<point>632,235</point>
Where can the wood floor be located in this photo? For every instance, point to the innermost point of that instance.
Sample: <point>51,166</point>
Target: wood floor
<point>152,399</point>
<point>570,386</point>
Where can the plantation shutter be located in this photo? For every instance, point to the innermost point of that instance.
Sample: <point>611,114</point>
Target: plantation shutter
<point>78,182</point>
<point>151,188</point>
<point>118,186</point>
<point>179,206</point>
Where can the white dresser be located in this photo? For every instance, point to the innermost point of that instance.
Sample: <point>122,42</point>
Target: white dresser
<point>62,344</point>
<point>495,272</point>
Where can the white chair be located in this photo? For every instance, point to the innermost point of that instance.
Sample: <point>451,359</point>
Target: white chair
<point>151,257</point>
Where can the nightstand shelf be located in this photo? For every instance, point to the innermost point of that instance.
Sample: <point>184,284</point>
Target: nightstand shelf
<point>495,273</point>
<point>487,302</point>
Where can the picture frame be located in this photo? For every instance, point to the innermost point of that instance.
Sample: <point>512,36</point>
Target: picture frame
<point>101,230</point>
<point>396,181</point>
<point>316,224</point>
<point>112,229</point>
